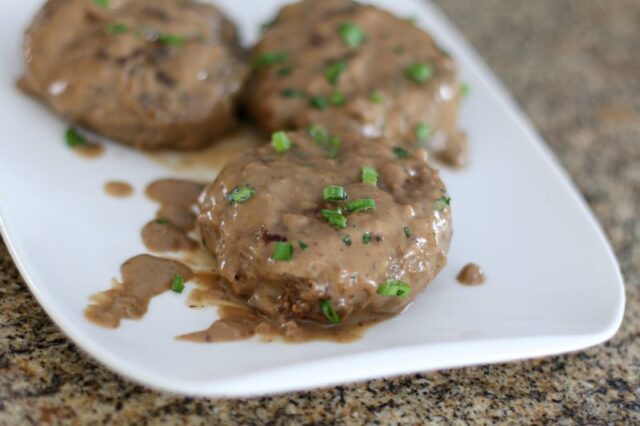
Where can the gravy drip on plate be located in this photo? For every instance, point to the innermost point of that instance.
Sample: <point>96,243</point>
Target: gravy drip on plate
<point>471,274</point>
<point>143,277</point>
<point>169,231</point>
<point>118,189</point>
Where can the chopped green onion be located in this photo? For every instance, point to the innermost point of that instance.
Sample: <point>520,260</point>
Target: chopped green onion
<point>352,35</point>
<point>177,283</point>
<point>465,89</point>
<point>442,203</point>
<point>269,58</point>
<point>361,205</point>
<point>334,147</point>
<point>419,72</point>
<point>334,193</point>
<point>394,288</point>
<point>329,312</point>
<point>347,240</point>
<point>375,97</point>
<point>330,144</point>
<point>318,133</point>
<point>407,231</point>
<point>293,93</point>
<point>318,102</point>
<point>337,98</point>
<point>334,217</point>
<point>280,142</point>
<point>118,28</point>
<point>285,71</point>
<point>366,238</point>
<point>240,194</point>
<point>172,39</point>
<point>423,131</point>
<point>333,71</point>
<point>102,3</point>
<point>399,152</point>
<point>282,251</point>
<point>369,175</point>
<point>303,245</point>
<point>161,221</point>
<point>399,50</point>
<point>74,139</point>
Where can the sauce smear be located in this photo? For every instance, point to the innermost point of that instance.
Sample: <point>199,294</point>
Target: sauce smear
<point>471,274</point>
<point>118,189</point>
<point>175,217</point>
<point>143,277</point>
<point>89,150</point>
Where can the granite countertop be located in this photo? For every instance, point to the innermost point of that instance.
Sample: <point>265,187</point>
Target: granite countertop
<point>574,67</point>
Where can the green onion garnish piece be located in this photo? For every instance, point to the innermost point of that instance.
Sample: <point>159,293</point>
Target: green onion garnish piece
<point>172,39</point>
<point>361,205</point>
<point>375,97</point>
<point>347,240</point>
<point>399,50</point>
<point>352,35</point>
<point>280,142</point>
<point>334,193</point>
<point>321,137</point>
<point>334,217</point>
<point>303,245</point>
<point>318,102</point>
<point>366,238</point>
<point>240,194</point>
<point>161,221</point>
<point>369,175</point>
<point>423,131</point>
<point>177,283</point>
<point>292,93</point>
<point>282,251</point>
<point>419,72</point>
<point>118,28</point>
<point>442,203</point>
<point>329,312</point>
<point>337,98</point>
<point>465,89</point>
<point>318,133</point>
<point>399,152</point>
<point>102,3</point>
<point>269,58</point>
<point>285,71</point>
<point>334,147</point>
<point>394,288</point>
<point>407,231</point>
<point>333,71</point>
<point>74,139</point>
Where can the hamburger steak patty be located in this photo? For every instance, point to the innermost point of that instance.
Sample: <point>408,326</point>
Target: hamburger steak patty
<point>356,69</point>
<point>151,74</point>
<point>266,207</point>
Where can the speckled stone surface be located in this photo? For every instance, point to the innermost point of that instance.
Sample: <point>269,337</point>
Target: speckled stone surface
<point>574,66</point>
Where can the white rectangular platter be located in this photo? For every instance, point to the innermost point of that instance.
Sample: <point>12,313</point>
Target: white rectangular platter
<point>553,283</point>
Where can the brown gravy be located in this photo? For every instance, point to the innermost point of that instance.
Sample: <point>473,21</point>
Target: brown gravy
<point>237,321</point>
<point>175,217</point>
<point>160,235</point>
<point>118,189</point>
<point>143,277</point>
<point>471,274</point>
<point>89,150</point>
<point>207,162</point>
